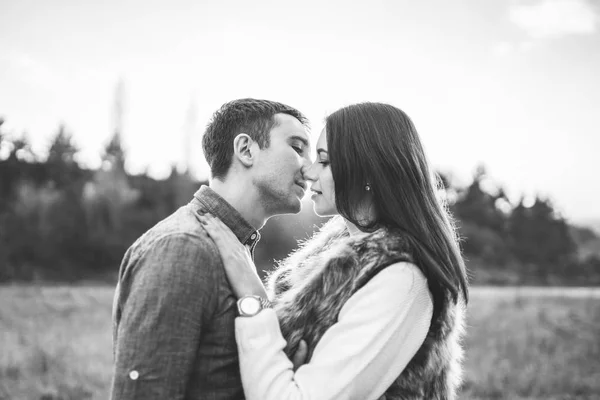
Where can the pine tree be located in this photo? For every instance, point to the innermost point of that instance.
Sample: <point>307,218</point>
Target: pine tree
<point>114,155</point>
<point>541,237</point>
<point>62,150</point>
<point>63,169</point>
<point>478,206</point>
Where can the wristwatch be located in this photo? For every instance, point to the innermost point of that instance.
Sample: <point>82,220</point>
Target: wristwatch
<point>249,306</point>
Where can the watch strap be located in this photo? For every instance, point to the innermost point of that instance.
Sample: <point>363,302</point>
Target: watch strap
<point>263,303</point>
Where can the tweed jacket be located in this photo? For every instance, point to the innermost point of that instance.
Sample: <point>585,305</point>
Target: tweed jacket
<point>309,289</point>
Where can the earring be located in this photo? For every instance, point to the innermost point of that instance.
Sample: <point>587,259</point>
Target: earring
<point>367,187</point>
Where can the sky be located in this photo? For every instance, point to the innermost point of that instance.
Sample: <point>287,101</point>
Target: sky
<point>512,85</point>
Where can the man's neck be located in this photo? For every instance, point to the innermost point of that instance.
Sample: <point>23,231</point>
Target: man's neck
<point>243,197</point>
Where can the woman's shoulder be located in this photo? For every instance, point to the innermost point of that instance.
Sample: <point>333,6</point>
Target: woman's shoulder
<point>394,290</point>
<point>400,280</point>
<point>402,271</point>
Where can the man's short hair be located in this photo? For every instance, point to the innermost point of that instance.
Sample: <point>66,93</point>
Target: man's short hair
<point>251,116</point>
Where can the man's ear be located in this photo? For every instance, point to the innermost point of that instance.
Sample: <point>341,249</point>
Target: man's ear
<point>244,149</point>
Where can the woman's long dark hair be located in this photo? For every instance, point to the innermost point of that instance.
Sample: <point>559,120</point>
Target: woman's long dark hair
<point>378,144</point>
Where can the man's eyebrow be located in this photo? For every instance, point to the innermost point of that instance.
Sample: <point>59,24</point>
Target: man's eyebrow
<point>300,138</point>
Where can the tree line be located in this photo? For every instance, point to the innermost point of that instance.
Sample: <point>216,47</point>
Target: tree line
<point>60,221</point>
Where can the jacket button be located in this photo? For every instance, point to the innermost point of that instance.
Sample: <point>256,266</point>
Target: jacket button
<point>134,375</point>
<point>253,236</point>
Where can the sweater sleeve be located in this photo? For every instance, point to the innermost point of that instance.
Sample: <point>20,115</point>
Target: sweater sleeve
<point>379,330</point>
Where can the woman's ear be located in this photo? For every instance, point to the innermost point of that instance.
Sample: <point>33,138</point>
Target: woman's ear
<point>243,149</point>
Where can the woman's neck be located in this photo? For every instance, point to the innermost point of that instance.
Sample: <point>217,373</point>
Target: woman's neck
<point>352,228</point>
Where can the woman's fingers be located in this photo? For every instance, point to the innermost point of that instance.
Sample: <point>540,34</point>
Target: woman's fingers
<point>220,233</point>
<point>216,228</point>
<point>299,358</point>
<point>222,229</point>
<point>237,261</point>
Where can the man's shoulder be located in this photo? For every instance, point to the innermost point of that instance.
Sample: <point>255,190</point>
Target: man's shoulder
<point>178,235</point>
<point>181,223</point>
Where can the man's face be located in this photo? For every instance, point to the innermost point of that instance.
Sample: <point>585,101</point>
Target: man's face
<point>278,170</point>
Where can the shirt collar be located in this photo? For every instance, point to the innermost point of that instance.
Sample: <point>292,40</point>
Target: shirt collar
<point>213,203</point>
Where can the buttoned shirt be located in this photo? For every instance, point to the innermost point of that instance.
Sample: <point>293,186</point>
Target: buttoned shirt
<point>174,311</point>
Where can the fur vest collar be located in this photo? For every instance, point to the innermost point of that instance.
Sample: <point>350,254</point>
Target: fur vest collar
<point>311,286</point>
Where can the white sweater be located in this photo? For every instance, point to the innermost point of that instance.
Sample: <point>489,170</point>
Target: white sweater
<point>380,328</point>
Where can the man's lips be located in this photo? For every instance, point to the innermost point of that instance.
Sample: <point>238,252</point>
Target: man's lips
<point>302,185</point>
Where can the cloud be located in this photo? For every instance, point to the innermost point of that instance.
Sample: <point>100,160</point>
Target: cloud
<point>554,18</point>
<point>543,20</point>
<point>504,49</point>
<point>25,68</point>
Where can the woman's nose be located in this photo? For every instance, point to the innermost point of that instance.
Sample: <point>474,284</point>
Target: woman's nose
<point>308,172</point>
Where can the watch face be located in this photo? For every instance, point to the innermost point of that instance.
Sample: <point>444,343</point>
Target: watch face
<point>250,305</point>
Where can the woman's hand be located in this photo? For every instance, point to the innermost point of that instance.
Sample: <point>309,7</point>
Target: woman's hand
<point>299,358</point>
<point>240,270</point>
<point>239,267</point>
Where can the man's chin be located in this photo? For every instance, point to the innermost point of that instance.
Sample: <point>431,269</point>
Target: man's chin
<point>293,206</point>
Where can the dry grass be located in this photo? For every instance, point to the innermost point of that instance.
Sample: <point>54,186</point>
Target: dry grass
<point>533,345</point>
<point>55,343</point>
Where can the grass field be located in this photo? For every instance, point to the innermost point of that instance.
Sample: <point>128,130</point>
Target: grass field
<point>55,343</point>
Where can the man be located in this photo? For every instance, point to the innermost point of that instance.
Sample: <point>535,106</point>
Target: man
<point>173,313</point>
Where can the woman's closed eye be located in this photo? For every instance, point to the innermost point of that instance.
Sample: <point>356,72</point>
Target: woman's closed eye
<point>322,157</point>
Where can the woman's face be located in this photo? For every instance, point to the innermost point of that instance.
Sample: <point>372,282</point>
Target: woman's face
<point>321,179</point>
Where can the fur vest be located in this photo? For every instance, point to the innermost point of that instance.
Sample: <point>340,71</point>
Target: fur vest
<point>311,286</point>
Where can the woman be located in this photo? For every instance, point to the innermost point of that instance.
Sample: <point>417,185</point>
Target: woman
<point>378,294</point>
